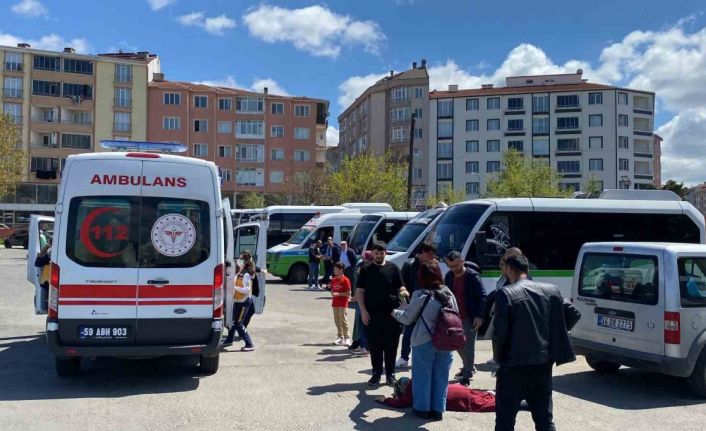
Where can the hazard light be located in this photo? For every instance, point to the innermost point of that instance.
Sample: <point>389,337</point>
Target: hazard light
<point>143,146</point>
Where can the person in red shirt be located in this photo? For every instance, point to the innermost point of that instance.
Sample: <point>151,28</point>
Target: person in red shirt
<point>341,293</point>
<point>460,398</point>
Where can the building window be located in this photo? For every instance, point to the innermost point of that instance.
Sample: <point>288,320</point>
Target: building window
<point>277,109</point>
<point>623,142</point>
<point>121,121</point>
<point>44,164</point>
<point>643,168</point>
<point>123,73</point>
<point>492,167</point>
<point>444,170</point>
<point>540,125</point>
<point>493,124</point>
<point>12,87</point>
<point>172,99</point>
<point>568,166</point>
<point>471,125</point>
<point>201,101</point>
<point>83,67</point>
<point>253,177</point>
<point>398,134</point>
<point>13,61</point>
<point>277,154</point>
<point>417,154</point>
<point>595,143</point>
<point>201,150</point>
<point>251,153</point>
<point>595,120</point>
<point>225,151</point>
<point>14,110</point>
<point>595,165</point>
<point>540,148</point>
<point>301,155</point>
<point>301,110</point>
<point>46,88</point>
<point>444,150</point>
<point>171,123</point>
<point>472,104</point>
<point>418,92</point>
<point>567,123</point>
<point>622,98</point>
<point>540,103</point>
<point>302,133</point>
<point>445,108</point>
<point>123,97</point>
<point>515,103</point>
<point>516,145</point>
<point>225,174</point>
<point>472,188</point>
<point>444,128</point>
<point>400,94</point>
<point>595,98</point>
<point>515,125</point>
<point>200,125</point>
<point>623,120</point>
<point>82,142</point>
<point>417,133</point>
<point>43,62</point>
<point>399,114</point>
<point>250,129</point>
<point>472,167</point>
<point>493,146</point>
<point>418,173</point>
<point>623,164</point>
<point>225,104</point>
<point>570,101</point>
<point>276,177</point>
<point>472,146</point>
<point>492,103</point>
<point>225,127</point>
<point>417,113</point>
<point>567,145</point>
<point>277,131</point>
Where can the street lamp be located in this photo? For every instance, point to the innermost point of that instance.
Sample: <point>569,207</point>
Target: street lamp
<point>410,167</point>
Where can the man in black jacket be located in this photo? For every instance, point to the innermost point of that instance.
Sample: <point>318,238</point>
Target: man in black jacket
<point>529,337</point>
<point>467,287</point>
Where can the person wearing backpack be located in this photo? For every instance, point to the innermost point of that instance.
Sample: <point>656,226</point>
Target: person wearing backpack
<point>434,337</point>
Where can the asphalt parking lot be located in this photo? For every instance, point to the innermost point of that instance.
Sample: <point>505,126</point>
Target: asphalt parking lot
<point>294,380</point>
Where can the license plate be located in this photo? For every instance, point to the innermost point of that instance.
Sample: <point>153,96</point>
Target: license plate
<point>627,325</point>
<point>103,332</point>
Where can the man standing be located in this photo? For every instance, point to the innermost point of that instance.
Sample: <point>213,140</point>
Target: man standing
<point>348,259</point>
<point>314,261</point>
<point>468,289</point>
<point>410,277</point>
<point>331,254</point>
<point>379,287</point>
<point>529,336</point>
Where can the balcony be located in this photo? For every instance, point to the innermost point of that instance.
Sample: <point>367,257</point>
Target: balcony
<point>77,121</point>
<point>515,131</point>
<point>123,78</point>
<point>122,127</point>
<point>45,119</point>
<point>122,103</point>
<point>515,110</point>
<point>11,66</point>
<point>17,119</point>
<point>12,92</point>
<point>642,131</point>
<point>567,130</point>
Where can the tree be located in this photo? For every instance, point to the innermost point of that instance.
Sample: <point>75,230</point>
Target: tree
<point>11,158</point>
<point>253,200</point>
<point>448,196</point>
<point>676,187</point>
<point>521,177</point>
<point>370,178</point>
<point>593,186</point>
<point>306,188</point>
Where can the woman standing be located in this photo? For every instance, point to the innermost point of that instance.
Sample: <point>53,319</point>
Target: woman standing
<point>430,367</point>
<point>242,301</point>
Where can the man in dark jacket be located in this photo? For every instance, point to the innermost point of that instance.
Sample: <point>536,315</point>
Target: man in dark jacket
<point>468,289</point>
<point>314,262</point>
<point>529,337</point>
<point>331,254</point>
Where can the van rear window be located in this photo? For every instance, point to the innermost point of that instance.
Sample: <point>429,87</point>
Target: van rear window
<point>620,277</point>
<point>692,281</point>
<point>131,232</point>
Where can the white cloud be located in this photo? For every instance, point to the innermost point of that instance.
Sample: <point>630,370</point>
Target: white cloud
<point>29,8</point>
<point>331,136</point>
<point>50,42</point>
<point>159,4</point>
<point>215,25</point>
<point>272,86</point>
<point>314,29</point>
<point>354,86</point>
<point>684,147</point>
<point>229,81</point>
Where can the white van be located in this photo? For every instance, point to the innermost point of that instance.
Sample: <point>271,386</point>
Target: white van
<point>643,306</point>
<point>405,245</point>
<point>138,259</point>
<point>380,227</point>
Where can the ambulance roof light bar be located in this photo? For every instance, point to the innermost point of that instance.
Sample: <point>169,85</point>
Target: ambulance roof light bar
<point>162,147</point>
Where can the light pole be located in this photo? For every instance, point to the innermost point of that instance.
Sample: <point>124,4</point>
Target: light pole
<point>410,170</point>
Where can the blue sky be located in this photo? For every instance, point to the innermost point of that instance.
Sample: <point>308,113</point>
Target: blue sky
<point>333,50</point>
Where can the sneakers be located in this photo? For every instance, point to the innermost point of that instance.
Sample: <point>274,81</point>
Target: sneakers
<point>347,342</point>
<point>338,342</point>
<point>436,416</point>
<point>465,382</point>
<point>374,380</point>
<point>247,349</point>
<point>402,363</point>
<point>390,380</point>
<point>361,351</point>
<point>459,375</point>
<point>491,361</point>
<point>227,343</point>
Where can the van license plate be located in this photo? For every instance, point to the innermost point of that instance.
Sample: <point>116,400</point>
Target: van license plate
<point>616,323</point>
<point>103,332</point>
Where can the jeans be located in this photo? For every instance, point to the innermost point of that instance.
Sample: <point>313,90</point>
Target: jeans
<point>313,275</point>
<point>383,334</point>
<point>328,271</point>
<point>430,374</point>
<point>359,329</point>
<point>406,342</point>
<point>249,314</point>
<point>532,383</point>
<point>468,352</point>
<point>239,311</point>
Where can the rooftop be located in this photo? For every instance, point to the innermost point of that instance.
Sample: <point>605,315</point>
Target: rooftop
<point>201,88</point>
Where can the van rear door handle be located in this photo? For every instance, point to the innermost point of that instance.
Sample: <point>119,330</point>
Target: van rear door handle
<point>158,283</point>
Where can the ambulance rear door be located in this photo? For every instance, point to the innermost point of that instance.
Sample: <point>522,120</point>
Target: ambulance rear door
<point>252,237</point>
<point>40,230</point>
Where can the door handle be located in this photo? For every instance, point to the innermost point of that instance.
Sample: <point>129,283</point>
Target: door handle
<point>158,283</point>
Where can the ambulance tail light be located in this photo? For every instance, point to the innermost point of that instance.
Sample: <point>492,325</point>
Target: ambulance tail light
<point>53,312</point>
<point>218,277</point>
<point>672,327</point>
<point>143,155</point>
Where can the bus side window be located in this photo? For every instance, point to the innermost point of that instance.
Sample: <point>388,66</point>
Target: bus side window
<point>496,233</point>
<point>346,232</point>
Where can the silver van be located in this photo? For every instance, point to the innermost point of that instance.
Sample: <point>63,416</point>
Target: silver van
<point>643,306</point>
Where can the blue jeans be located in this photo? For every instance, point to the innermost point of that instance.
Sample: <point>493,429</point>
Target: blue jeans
<point>406,342</point>
<point>358,323</point>
<point>313,275</point>
<point>430,377</point>
<point>240,309</point>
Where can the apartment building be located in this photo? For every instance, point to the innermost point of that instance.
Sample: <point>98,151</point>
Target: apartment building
<point>697,197</point>
<point>64,103</point>
<point>586,131</point>
<point>379,120</point>
<point>258,140</point>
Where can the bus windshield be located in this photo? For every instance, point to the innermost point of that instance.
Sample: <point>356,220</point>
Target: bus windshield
<point>405,237</point>
<point>361,233</point>
<point>454,227</point>
<point>300,235</point>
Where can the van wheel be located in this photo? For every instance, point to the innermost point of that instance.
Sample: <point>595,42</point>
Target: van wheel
<point>604,367</point>
<point>67,366</point>
<point>209,364</point>
<point>299,274</point>
<point>697,380</point>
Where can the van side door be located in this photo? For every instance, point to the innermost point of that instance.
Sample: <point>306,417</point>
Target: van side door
<point>253,238</point>
<point>39,228</point>
<point>229,262</point>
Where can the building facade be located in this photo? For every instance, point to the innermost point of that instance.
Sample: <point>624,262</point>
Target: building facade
<point>379,120</point>
<point>258,140</point>
<point>697,197</point>
<point>587,132</point>
<point>657,160</point>
<point>64,103</point>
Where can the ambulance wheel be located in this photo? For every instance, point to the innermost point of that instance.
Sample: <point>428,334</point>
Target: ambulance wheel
<point>603,367</point>
<point>67,366</point>
<point>299,274</point>
<point>209,364</point>
<point>697,380</point>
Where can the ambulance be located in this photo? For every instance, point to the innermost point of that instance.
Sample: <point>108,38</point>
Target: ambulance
<point>141,248</point>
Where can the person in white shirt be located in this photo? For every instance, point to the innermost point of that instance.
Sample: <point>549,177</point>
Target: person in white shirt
<point>242,301</point>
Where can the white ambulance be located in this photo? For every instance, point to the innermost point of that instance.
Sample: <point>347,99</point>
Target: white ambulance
<point>138,259</point>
